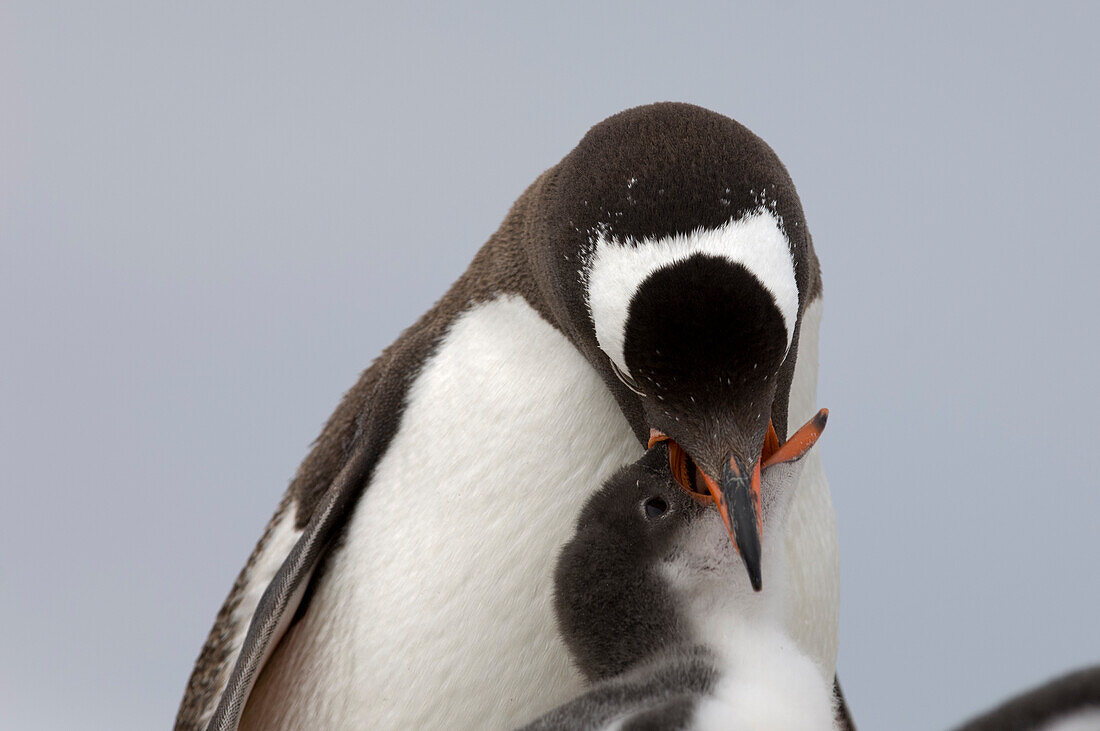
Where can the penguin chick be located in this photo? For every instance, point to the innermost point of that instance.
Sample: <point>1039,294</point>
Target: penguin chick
<point>660,616</point>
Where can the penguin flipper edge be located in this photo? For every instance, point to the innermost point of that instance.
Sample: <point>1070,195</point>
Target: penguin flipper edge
<point>280,601</point>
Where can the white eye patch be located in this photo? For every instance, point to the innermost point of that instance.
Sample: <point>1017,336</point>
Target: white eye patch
<point>617,268</point>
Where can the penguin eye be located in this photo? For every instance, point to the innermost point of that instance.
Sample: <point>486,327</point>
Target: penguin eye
<point>627,380</point>
<point>655,507</point>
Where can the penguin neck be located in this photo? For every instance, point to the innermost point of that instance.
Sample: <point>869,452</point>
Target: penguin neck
<point>515,260</point>
<point>503,265</point>
<point>763,678</point>
<point>732,629</point>
<point>725,620</point>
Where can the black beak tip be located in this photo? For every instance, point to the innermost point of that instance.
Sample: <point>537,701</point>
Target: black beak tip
<point>752,564</point>
<point>737,492</point>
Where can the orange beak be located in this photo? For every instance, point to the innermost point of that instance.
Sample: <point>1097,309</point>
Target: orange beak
<point>737,492</point>
<point>799,443</point>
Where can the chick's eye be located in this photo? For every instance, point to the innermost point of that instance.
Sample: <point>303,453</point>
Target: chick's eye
<point>655,507</point>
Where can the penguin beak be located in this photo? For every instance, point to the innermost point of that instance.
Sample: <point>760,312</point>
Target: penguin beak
<point>737,496</point>
<point>737,492</point>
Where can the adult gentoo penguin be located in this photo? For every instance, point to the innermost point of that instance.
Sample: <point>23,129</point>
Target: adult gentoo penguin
<point>658,282</point>
<point>667,623</point>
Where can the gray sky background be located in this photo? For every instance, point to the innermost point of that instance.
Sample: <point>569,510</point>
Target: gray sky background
<point>213,216</point>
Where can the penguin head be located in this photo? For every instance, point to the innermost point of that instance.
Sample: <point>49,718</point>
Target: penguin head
<point>672,249</point>
<point>649,567</point>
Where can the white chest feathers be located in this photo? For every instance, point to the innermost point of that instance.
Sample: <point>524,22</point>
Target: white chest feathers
<point>769,685</point>
<point>437,611</point>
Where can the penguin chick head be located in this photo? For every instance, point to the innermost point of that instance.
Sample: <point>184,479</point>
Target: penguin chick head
<point>672,249</point>
<point>649,566</point>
